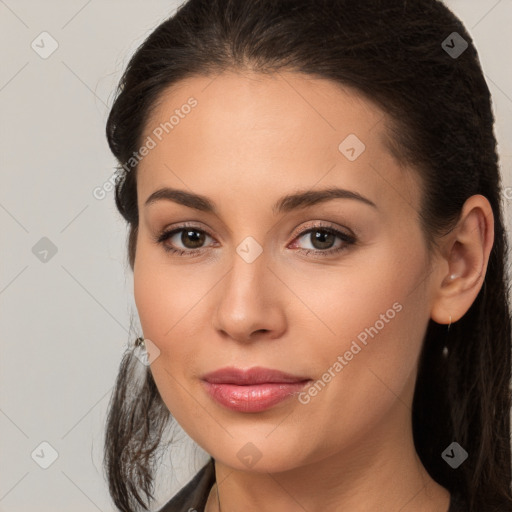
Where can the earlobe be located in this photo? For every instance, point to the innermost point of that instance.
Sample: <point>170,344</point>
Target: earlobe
<point>468,248</point>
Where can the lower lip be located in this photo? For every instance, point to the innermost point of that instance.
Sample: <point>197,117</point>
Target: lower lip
<point>253,398</point>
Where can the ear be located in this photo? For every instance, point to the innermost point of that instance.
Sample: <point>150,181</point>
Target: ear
<point>464,258</point>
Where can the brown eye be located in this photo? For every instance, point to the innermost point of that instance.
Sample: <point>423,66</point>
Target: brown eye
<point>183,241</point>
<point>195,237</point>
<point>323,240</point>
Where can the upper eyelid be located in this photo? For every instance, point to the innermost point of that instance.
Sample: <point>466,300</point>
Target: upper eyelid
<point>327,225</point>
<point>319,225</point>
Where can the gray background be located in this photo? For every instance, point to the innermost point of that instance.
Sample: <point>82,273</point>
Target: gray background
<point>65,322</point>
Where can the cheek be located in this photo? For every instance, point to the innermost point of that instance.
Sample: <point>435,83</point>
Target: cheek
<point>164,293</point>
<point>366,320</point>
<point>168,315</point>
<point>373,289</point>
<point>160,307</point>
<point>170,305</point>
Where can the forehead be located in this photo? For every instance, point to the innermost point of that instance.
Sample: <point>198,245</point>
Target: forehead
<point>279,131</point>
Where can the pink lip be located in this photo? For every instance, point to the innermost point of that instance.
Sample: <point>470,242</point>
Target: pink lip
<point>252,390</point>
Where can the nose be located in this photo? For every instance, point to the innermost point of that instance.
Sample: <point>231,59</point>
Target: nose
<point>250,302</point>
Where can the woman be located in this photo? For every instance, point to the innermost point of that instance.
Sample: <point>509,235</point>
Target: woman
<point>313,197</point>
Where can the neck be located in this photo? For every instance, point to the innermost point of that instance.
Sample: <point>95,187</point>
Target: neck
<point>382,471</point>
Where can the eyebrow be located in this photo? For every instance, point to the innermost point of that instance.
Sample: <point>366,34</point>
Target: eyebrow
<point>296,201</point>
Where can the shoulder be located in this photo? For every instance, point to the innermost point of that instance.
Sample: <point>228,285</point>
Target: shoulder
<point>194,495</point>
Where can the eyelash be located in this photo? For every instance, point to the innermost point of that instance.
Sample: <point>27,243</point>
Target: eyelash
<point>346,238</point>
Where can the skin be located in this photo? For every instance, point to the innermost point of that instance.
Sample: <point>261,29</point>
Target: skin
<point>250,140</point>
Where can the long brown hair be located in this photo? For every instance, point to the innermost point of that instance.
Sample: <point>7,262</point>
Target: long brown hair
<point>392,52</point>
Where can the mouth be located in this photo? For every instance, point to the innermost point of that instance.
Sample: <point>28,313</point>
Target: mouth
<point>253,390</point>
<point>254,375</point>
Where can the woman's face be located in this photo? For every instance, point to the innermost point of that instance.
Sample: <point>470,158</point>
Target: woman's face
<point>266,281</point>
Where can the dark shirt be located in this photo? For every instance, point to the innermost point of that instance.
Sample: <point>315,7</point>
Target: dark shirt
<point>192,497</point>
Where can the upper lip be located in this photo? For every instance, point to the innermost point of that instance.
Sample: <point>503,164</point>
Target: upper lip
<point>254,375</point>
